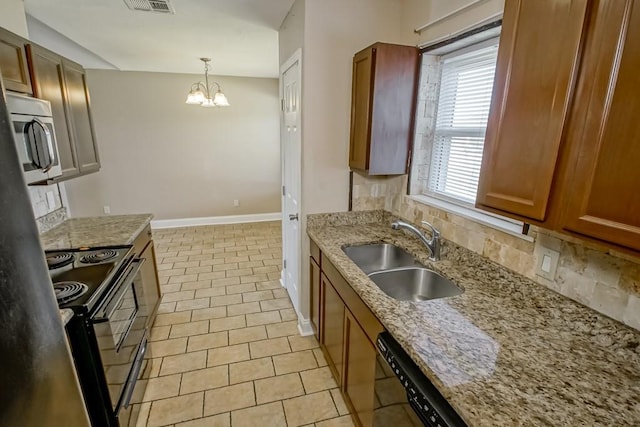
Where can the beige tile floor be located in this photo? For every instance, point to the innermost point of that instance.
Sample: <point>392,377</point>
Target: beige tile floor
<point>225,345</point>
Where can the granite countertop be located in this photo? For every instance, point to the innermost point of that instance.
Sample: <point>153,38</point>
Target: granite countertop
<point>506,352</point>
<point>97,231</point>
<point>66,314</point>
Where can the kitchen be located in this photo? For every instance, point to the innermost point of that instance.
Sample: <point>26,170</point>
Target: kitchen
<point>597,277</point>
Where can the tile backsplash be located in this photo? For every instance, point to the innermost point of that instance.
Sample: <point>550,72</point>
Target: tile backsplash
<point>602,279</point>
<point>47,206</point>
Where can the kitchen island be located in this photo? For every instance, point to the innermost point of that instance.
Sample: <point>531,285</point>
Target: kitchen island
<point>507,351</point>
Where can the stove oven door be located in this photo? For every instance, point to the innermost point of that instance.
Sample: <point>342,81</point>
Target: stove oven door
<point>120,329</point>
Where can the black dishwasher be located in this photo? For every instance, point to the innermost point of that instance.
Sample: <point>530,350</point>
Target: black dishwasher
<point>401,386</point>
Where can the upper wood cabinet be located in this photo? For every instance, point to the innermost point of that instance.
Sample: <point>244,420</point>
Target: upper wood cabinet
<point>562,146</point>
<point>382,108</point>
<point>80,109</point>
<point>13,62</point>
<point>49,84</point>
<point>600,186</point>
<point>62,83</point>
<point>537,62</point>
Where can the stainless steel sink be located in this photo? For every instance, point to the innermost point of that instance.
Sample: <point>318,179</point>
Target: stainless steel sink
<point>380,256</point>
<point>414,284</point>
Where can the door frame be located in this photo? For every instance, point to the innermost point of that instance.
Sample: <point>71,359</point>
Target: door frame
<point>296,164</point>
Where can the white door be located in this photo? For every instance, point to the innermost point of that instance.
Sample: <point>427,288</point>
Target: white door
<point>290,136</point>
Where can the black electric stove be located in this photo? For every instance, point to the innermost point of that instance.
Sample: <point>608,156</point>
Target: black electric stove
<point>108,334</point>
<point>82,276</point>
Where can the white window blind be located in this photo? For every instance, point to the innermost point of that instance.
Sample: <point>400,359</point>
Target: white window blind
<point>461,122</point>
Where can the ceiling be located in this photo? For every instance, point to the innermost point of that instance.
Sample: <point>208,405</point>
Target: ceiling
<point>241,36</point>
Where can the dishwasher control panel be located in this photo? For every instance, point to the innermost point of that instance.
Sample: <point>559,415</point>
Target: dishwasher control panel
<point>432,409</point>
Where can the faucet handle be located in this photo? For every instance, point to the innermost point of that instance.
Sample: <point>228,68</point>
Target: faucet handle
<point>434,231</point>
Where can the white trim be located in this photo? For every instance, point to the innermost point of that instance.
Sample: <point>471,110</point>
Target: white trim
<point>215,220</point>
<point>304,327</point>
<point>505,225</point>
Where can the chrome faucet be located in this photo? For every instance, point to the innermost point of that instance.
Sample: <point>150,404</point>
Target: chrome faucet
<point>432,244</point>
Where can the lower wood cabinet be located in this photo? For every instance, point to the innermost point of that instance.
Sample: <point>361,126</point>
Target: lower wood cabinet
<point>359,370</point>
<point>316,292</point>
<point>332,338</point>
<point>348,330</point>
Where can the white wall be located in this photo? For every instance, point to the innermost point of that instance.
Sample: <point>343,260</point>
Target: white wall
<point>291,33</point>
<point>174,160</point>
<point>333,31</point>
<point>12,17</point>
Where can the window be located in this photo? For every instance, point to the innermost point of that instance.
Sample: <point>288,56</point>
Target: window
<point>461,121</point>
<point>453,108</point>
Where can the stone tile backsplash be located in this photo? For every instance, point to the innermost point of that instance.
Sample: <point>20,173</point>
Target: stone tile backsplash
<point>604,280</point>
<point>38,195</point>
<point>48,213</point>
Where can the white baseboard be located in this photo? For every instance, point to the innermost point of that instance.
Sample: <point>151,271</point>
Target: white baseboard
<point>304,326</point>
<point>215,220</point>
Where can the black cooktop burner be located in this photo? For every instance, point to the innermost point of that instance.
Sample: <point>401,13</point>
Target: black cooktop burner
<point>99,256</point>
<point>60,259</point>
<point>68,291</point>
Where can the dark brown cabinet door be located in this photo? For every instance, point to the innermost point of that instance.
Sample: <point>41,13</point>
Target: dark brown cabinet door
<point>382,108</point>
<point>314,279</point>
<point>49,83</point>
<point>535,75</point>
<point>332,327</point>
<point>79,107</point>
<point>13,62</point>
<point>359,370</point>
<point>601,182</point>
<point>360,110</point>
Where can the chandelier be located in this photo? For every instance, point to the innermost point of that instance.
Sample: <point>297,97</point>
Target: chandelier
<point>200,93</point>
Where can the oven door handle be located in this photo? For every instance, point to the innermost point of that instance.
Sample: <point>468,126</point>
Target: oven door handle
<point>128,279</point>
<point>133,375</point>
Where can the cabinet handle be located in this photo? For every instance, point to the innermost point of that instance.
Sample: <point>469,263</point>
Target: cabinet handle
<point>293,217</point>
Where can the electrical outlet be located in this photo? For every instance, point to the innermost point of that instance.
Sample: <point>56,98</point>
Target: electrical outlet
<point>547,263</point>
<point>236,203</point>
<point>107,209</point>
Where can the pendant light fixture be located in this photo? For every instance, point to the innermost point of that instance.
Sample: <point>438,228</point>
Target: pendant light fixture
<point>200,93</point>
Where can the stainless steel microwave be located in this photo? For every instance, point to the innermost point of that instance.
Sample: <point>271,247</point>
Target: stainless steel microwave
<point>35,137</point>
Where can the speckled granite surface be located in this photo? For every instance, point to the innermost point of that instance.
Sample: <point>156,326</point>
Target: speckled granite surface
<point>95,231</point>
<point>507,352</point>
<point>66,315</point>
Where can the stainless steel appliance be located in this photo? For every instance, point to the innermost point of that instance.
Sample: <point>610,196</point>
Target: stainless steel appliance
<point>103,286</point>
<point>405,396</point>
<point>34,137</point>
<point>39,384</point>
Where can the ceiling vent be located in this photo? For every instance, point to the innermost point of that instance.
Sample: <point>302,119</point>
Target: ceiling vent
<point>160,6</point>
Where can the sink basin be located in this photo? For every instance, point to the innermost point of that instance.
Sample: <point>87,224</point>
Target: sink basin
<point>414,284</point>
<point>379,256</point>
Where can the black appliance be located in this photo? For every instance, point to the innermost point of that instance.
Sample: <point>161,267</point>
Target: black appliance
<point>39,383</point>
<point>429,407</point>
<point>108,338</point>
